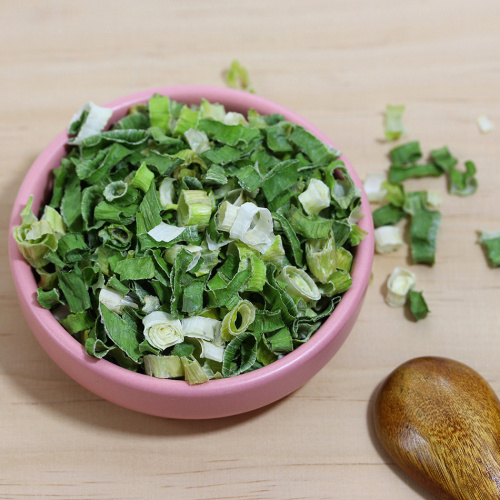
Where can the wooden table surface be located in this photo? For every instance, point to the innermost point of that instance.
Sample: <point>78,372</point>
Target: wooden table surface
<point>337,63</point>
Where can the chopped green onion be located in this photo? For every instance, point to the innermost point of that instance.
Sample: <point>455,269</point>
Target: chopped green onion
<point>398,173</point>
<point>491,243</point>
<point>388,239</point>
<point>395,193</point>
<point>485,124</point>
<point>166,193</point>
<point>197,140</point>
<point>299,284</point>
<point>209,350</point>
<point>194,209</point>
<point>393,122</point>
<point>387,215</point>
<point>254,226</point>
<point>433,199</point>
<point>316,197</point>
<point>163,366</point>
<point>143,178</point>
<point>374,187</point>
<point>399,284</point>
<point>238,319</point>
<point>162,330</point>
<point>275,253</point>
<point>321,256</point>
<point>423,236</point>
<point>237,77</point>
<point>344,259</point>
<point>193,371</point>
<point>201,327</point>
<point>463,183</point>
<point>418,306</point>
<point>115,301</point>
<point>339,282</point>
<point>88,121</point>
<point>406,153</point>
<point>233,118</point>
<point>165,232</point>
<point>443,159</point>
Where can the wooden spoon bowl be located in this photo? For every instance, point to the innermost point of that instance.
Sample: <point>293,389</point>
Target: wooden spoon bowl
<point>439,420</point>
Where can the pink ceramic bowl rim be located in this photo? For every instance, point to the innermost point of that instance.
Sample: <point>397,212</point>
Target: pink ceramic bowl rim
<point>234,100</point>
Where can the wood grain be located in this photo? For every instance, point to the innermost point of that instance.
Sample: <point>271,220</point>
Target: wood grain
<point>440,422</point>
<point>337,63</point>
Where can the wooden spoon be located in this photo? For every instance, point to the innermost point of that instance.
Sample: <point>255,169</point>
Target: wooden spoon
<point>439,421</point>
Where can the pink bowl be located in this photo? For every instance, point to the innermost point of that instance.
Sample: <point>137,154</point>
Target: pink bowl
<point>175,398</point>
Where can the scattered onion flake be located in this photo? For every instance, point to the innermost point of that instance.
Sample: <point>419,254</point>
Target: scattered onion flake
<point>399,284</point>
<point>388,239</point>
<point>374,187</point>
<point>485,124</point>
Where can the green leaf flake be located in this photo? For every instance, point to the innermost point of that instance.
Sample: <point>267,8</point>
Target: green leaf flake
<point>281,341</point>
<point>342,188</point>
<point>123,333</point>
<point>283,176</point>
<point>71,210</point>
<point>491,243</point>
<point>77,322</point>
<point>418,306</point>
<point>293,243</point>
<point>192,297</point>
<point>187,119</point>
<point>231,135</point>
<point>48,299</point>
<point>150,209</point>
<point>75,291</point>
<point>318,152</point>
<point>98,167</point>
<point>387,215</point>
<point>398,173</point>
<point>222,156</point>
<point>183,260</point>
<point>216,175</point>
<point>310,226</point>
<point>249,178</point>
<point>95,345</point>
<point>133,121</point>
<point>143,178</point>
<point>131,138</point>
<point>240,354</point>
<point>165,164</point>
<point>114,213</point>
<point>159,112</point>
<point>463,183</point>
<point>406,153</point>
<point>72,247</point>
<point>423,236</point>
<point>237,77</point>
<point>443,159</point>
<point>91,197</point>
<point>138,268</point>
<point>277,298</point>
<point>395,193</point>
<point>277,137</point>
<point>393,122</point>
